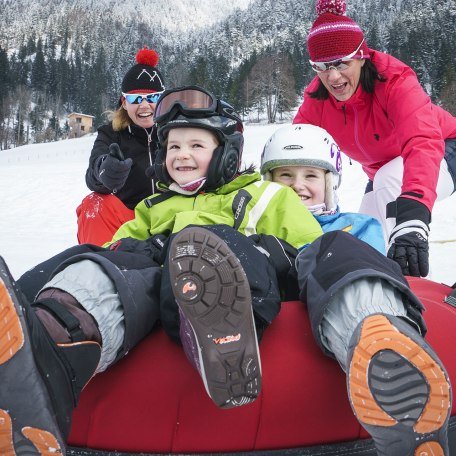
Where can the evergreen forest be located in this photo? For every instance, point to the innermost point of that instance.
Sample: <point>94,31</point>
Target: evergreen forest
<point>69,56</point>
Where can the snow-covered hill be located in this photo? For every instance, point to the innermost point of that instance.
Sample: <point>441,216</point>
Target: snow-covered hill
<point>176,16</point>
<point>41,186</point>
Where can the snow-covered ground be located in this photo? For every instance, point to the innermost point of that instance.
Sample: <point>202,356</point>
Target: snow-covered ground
<point>42,184</point>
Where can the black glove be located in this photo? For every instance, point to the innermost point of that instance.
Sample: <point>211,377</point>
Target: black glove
<point>282,255</point>
<point>408,242</point>
<point>154,247</point>
<point>114,169</point>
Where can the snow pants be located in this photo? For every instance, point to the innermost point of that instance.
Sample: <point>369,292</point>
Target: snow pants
<point>129,292</point>
<point>387,186</point>
<point>341,279</point>
<point>344,280</point>
<point>99,217</point>
<point>104,282</point>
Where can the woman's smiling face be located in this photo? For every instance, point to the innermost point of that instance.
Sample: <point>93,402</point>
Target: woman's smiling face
<point>141,114</point>
<point>342,84</point>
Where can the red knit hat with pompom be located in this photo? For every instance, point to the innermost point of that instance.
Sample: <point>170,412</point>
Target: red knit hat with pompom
<point>143,77</point>
<point>333,34</point>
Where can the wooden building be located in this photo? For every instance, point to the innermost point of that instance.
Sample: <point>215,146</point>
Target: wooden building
<point>80,124</point>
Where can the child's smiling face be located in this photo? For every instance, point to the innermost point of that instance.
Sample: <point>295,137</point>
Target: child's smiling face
<point>308,182</point>
<point>188,153</point>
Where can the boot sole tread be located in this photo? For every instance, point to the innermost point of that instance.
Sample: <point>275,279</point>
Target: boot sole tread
<point>213,293</point>
<point>384,401</point>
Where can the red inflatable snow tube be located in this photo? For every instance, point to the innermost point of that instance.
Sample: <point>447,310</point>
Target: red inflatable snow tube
<point>153,401</point>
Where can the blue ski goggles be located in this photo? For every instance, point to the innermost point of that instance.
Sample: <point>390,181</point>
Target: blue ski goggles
<point>137,98</point>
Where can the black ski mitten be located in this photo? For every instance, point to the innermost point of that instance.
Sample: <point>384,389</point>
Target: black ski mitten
<point>114,168</point>
<point>408,242</point>
<point>154,247</point>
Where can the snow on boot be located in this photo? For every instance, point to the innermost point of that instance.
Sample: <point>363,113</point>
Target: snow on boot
<point>217,326</point>
<point>398,388</point>
<point>40,380</point>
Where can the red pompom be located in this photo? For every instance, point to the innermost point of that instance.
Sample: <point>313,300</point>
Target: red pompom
<point>146,56</point>
<point>331,6</point>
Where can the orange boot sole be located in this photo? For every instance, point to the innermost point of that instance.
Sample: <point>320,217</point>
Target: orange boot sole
<point>399,389</point>
<point>13,340</point>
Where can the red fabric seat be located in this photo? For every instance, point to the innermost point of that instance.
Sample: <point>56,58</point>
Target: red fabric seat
<point>154,401</point>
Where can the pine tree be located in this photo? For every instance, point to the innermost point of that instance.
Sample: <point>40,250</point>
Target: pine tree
<point>200,72</point>
<point>38,76</point>
<point>239,89</point>
<point>219,70</point>
<point>20,68</point>
<point>36,119</point>
<point>54,127</point>
<point>31,44</point>
<point>4,75</point>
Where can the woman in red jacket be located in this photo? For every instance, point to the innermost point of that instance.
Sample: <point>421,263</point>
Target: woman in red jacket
<point>375,108</point>
<point>122,152</point>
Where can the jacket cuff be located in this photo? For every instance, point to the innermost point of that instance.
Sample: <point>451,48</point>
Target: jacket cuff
<point>409,209</point>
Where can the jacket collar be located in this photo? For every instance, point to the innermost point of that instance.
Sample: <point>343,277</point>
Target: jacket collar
<point>358,99</point>
<point>140,132</point>
<point>239,182</point>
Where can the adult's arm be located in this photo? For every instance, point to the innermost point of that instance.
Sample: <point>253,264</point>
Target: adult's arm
<point>419,134</point>
<point>287,218</point>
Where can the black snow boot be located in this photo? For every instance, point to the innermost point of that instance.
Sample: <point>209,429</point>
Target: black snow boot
<point>217,324</point>
<point>40,380</point>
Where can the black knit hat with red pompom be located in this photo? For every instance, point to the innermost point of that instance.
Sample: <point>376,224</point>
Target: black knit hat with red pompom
<point>144,76</point>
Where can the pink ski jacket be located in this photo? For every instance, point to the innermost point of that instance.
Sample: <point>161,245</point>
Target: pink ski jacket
<point>398,119</point>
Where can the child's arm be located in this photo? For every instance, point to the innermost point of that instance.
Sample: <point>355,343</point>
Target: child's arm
<point>287,218</point>
<point>148,221</point>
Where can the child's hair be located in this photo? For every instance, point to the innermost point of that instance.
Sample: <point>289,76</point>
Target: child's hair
<point>209,113</point>
<point>305,145</point>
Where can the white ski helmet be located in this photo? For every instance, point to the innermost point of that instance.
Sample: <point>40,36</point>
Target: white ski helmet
<point>305,145</point>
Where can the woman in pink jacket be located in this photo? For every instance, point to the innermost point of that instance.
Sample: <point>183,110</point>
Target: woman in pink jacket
<point>375,108</point>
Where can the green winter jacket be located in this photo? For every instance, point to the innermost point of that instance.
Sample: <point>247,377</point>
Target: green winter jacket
<point>246,203</point>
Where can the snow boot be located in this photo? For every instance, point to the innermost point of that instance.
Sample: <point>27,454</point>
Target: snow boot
<point>217,325</point>
<point>40,379</point>
<point>398,388</point>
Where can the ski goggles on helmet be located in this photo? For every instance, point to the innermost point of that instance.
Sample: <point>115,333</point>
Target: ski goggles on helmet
<point>191,101</point>
<point>135,98</point>
<point>339,64</point>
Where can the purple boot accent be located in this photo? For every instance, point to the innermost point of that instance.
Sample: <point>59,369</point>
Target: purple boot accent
<point>189,343</point>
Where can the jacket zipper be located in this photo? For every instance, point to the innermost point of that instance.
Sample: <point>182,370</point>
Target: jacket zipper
<point>149,140</point>
<point>355,130</point>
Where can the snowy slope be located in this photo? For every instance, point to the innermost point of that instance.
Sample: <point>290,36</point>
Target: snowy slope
<point>42,184</point>
<point>176,16</point>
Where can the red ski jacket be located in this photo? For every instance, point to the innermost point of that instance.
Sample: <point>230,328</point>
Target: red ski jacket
<point>397,119</point>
